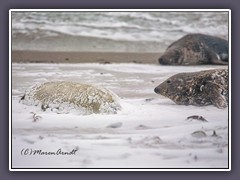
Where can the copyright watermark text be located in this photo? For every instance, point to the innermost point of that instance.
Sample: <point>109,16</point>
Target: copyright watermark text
<point>35,152</point>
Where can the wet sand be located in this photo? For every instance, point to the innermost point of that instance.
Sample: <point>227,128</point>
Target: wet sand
<point>83,57</point>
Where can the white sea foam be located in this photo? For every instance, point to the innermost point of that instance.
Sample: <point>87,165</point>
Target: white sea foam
<point>135,27</point>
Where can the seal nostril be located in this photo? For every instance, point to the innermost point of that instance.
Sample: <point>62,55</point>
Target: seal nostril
<point>160,60</point>
<point>156,90</point>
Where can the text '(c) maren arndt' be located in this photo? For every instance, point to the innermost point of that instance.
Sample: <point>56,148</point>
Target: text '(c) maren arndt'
<point>59,152</point>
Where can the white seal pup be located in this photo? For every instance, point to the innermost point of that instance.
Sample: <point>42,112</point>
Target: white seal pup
<point>201,88</point>
<point>67,95</point>
<point>196,49</point>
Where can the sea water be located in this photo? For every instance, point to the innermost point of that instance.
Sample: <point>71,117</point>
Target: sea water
<point>111,31</point>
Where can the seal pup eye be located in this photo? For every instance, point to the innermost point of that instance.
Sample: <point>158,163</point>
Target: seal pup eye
<point>168,81</point>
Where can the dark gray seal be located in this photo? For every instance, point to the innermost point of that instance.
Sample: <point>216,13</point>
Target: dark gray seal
<point>196,49</point>
<point>201,88</point>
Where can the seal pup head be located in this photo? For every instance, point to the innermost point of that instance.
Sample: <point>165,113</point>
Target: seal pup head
<point>171,57</point>
<point>177,88</point>
<point>196,49</point>
<point>197,88</point>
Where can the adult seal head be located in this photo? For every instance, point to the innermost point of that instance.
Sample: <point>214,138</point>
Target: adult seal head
<point>197,88</point>
<point>196,49</point>
<point>63,96</point>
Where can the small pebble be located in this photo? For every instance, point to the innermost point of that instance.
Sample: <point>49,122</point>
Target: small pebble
<point>215,134</point>
<point>115,125</point>
<point>199,134</point>
<point>149,99</point>
<point>142,127</point>
<point>196,117</point>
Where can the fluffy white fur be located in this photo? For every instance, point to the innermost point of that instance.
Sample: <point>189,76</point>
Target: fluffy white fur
<point>63,96</point>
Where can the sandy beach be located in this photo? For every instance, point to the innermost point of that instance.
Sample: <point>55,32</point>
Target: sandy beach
<point>153,131</point>
<point>84,57</point>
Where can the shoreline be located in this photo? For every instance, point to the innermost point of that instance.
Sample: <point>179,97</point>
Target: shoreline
<point>19,56</point>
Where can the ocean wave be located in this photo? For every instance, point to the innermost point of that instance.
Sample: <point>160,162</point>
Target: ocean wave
<point>159,27</point>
